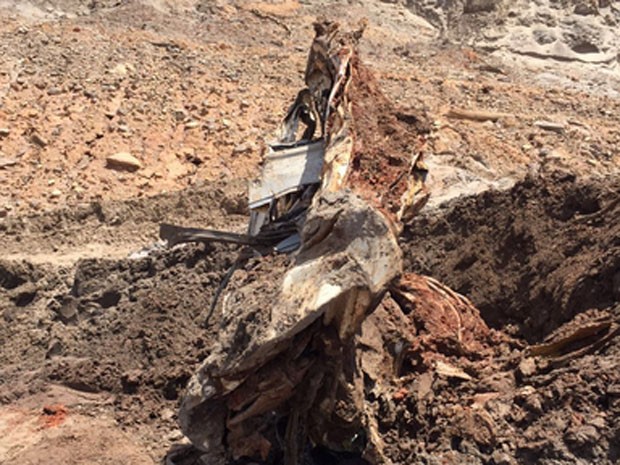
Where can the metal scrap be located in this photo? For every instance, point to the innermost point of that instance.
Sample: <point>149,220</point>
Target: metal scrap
<point>286,373</point>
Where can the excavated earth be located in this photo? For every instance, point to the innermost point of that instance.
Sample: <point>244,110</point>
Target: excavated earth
<point>101,326</point>
<point>130,332</point>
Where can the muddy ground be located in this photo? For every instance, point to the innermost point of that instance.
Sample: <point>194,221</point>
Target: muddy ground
<point>131,331</point>
<point>102,327</point>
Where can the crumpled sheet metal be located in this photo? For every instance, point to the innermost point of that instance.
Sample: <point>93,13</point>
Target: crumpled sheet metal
<point>350,256</point>
<point>287,371</point>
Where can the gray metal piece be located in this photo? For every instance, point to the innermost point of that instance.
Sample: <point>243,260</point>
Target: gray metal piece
<point>290,244</point>
<point>286,170</point>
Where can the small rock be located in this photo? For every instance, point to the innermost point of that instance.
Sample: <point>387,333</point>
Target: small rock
<point>180,114</point>
<point>167,414</point>
<point>4,132</point>
<point>38,140</point>
<point>586,8</point>
<point>54,348</point>
<point>479,6</point>
<point>54,91</point>
<point>527,367</point>
<point>192,125</point>
<point>68,310</point>
<point>55,193</point>
<point>550,126</point>
<point>5,161</point>
<point>119,70</point>
<point>502,458</point>
<point>123,160</point>
<point>242,148</point>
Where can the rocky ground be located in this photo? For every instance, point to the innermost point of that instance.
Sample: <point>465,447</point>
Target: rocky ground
<point>97,339</point>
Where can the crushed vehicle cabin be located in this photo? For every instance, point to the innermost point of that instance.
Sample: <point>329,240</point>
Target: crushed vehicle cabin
<point>292,375</point>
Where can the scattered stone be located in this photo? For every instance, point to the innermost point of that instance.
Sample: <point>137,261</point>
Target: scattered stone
<point>242,148</point>
<point>4,132</point>
<point>527,367</point>
<point>68,310</point>
<point>54,348</point>
<point>38,140</point>
<point>54,91</point>
<point>55,193</point>
<point>586,8</point>
<point>5,161</point>
<point>479,6</point>
<point>179,114</point>
<point>192,124</point>
<point>119,70</point>
<point>123,160</point>
<point>550,126</point>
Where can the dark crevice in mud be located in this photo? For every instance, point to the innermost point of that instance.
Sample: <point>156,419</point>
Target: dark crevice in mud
<point>531,257</point>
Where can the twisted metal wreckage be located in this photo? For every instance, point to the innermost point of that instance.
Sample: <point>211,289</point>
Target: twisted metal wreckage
<point>315,330</point>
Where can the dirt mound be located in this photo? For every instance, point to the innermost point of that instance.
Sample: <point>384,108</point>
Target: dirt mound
<point>125,326</point>
<point>539,259</point>
<point>530,258</point>
<point>386,138</point>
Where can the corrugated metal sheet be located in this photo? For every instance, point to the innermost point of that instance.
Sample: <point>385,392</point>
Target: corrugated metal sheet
<point>287,169</point>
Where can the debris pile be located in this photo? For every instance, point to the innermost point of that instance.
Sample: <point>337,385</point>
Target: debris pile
<point>312,344</point>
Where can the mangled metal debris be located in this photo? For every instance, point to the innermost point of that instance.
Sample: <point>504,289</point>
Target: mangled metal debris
<point>287,374</point>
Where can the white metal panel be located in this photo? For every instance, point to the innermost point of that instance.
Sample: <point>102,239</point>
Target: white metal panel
<point>285,170</point>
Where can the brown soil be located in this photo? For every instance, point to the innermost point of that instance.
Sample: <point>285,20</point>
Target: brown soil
<point>530,258</point>
<point>386,138</point>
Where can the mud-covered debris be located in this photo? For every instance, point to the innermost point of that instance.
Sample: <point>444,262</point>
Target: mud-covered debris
<point>285,372</point>
<point>287,327</point>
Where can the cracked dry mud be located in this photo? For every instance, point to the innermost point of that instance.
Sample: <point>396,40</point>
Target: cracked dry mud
<point>113,340</point>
